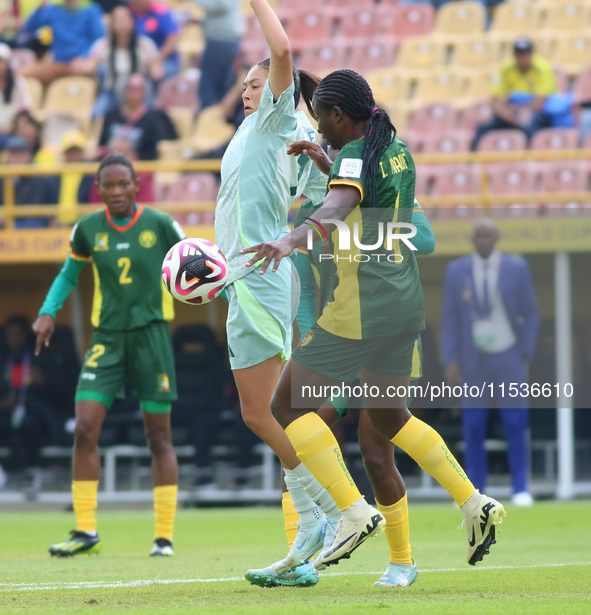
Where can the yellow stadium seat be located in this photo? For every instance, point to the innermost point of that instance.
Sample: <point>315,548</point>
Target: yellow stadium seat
<point>515,17</point>
<point>184,121</point>
<point>191,43</point>
<point>573,52</point>
<point>478,86</point>
<point>567,16</point>
<point>388,86</point>
<point>211,130</point>
<point>474,53</point>
<point>421,52</point>
<point>73,96</point>
<point>400,114</point>
<point>439,86</point>
<point>35,89</point>
<point>460,18</point>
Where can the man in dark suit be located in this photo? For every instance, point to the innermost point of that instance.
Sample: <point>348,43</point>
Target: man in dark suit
<point>489,330</point>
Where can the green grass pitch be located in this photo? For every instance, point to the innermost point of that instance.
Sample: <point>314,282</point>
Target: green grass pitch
<point>520,576</point>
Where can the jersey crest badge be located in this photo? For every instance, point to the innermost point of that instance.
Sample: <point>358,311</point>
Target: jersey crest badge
<point>147,238</point>
<point>163,383</point>
<point>101,242</point>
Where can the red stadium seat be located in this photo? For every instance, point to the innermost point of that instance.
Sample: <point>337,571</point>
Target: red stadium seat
<point>194,187</point>
<point>480,113</point>
<point>438,117</point>
<point>305,26</point>
<point>456,179</point>
<point>424,180</point>
<point>178,92</point>
<point>502,140</point>
<point>254,52</point>
<point>412,20</point>
<point>371,56</point>
<point>563,176</point>
<point>556,138</point>
<point>352,5</point>
<point>361,23</point>
<point>323,58</point>
<point>512,178</point>
<point>453,141</point>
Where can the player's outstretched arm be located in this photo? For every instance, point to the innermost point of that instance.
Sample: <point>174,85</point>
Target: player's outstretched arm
<point>280,70</point>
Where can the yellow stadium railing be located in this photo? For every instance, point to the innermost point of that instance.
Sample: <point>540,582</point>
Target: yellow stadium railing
<point>10,211</point>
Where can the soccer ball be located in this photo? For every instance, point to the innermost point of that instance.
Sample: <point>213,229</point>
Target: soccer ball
<point>194,271</point>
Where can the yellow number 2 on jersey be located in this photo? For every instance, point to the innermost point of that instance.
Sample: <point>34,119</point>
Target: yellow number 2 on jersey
<point>98,350</point>
<point>125,263</point>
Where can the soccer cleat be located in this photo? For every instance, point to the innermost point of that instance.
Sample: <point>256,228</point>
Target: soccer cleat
<point>398,575</point>
<point>481,515</point>
<point>358,522</point>
<point>331,529</point>
<point>309,540</point>
<point>79,542</point>
<point>162,547</point>
<point>304,575</point>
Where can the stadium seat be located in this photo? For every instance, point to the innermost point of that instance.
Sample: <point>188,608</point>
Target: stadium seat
<point>510,178</point>
<point>563,176</point>
<point>388,86</point>
<point>413,20</point>
<point>461,179</point>
<point>254,52</point>
<point>473,53</point>
<point>371,56</point>
<point>460,18</point>
<point>502,140</point>
<point>424,180</point>
<point>439,86</point>
<point>194,188</point>
<point>478,86</point>
<point>72,96</point>
<point>471,116</point>
<point>360,23</point>
<point>191,43</point>
<point>437,118</point>
<point>421,52</point>
<point>573,53</point>
<point>22,57</point>
<point>212,130</point>
<point>514,17</point>
<point>322,58</point>
<point>178,91</point>
<point>567,16</point>
<point>306,26</point>
<point>35,88</point>
<point>183,120</point>
<point>347,4</point>
<point>453,141</point>
<point>399,112</point>
<point>555,138</point>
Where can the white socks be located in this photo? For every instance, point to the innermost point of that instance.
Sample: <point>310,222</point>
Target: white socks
<point>317,492</point>
<point>308,511</point>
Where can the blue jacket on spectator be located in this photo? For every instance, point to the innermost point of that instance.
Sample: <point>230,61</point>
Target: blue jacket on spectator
<point>74,31</point>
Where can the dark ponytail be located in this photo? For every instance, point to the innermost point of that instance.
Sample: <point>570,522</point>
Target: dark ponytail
<point>305,85</point>
<point>350,92</point>
<point>8,86</point>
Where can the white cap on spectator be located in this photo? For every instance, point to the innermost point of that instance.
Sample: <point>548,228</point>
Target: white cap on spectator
<point>5,52</point>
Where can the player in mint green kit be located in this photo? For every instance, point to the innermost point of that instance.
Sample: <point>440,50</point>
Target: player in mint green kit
<point>377,452</point>
<point>260,182</point>
<point>126,243</point>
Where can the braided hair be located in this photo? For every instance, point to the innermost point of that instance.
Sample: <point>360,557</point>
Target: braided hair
<point>350,92</point>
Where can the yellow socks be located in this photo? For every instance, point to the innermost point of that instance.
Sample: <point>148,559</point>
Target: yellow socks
<point>164,510</point>
<point>428,449</point>
<point>291,518</point>
<point>84,498</point>
<point>318,449</point>
<point>397,531</point>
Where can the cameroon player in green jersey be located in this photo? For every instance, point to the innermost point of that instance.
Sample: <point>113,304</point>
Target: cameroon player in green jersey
<point>126,243</point>
<point>372,321</point>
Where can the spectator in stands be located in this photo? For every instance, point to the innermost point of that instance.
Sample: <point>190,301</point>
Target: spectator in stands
<point>119,55</point>
<point>27,418</point>
<point>223,28</point>
<point>70,188</point>
<point>135,122</point>
<point>489,330</point>
<point>14,95</point>
<point>519,97</point>
<point>157,21</point>
<point>75,27</point>
<point>29,189</point>
<point>27,127</point>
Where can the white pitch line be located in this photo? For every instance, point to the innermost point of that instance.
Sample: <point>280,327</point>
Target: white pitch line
<point>20,587</point>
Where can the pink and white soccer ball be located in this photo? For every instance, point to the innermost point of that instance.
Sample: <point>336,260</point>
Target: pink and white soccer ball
<point>194,271</point>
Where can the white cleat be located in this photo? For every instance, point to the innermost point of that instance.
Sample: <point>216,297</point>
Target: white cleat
<point>523,499</point>
<point>481,515</point>
<point>303,575</point>
<point>398,575</point>
<point>358,522</point>
<point>309,540</point>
